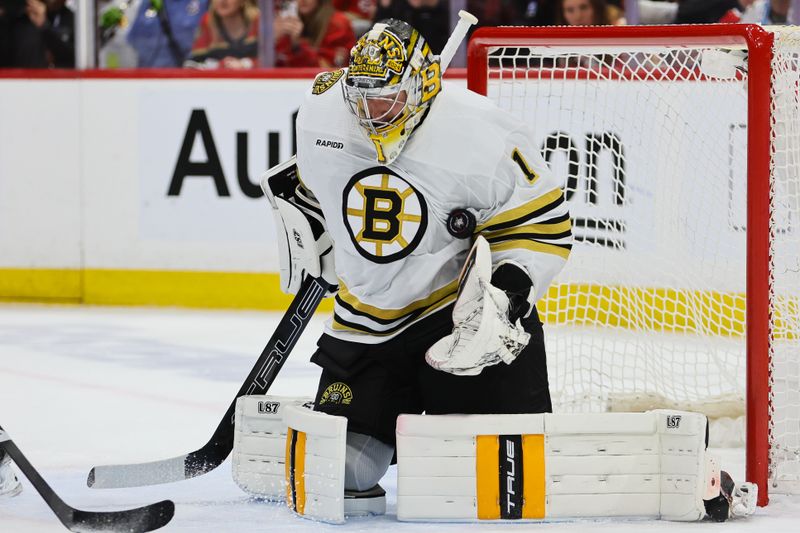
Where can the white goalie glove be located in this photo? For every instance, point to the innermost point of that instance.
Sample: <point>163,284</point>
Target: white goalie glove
<point>482,333</point>
<point>304,246</point>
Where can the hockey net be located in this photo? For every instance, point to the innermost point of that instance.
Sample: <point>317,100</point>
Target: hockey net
<point>680,152</point>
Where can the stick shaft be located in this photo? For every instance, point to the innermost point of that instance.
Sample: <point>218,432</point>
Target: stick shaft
<point>465,21</point>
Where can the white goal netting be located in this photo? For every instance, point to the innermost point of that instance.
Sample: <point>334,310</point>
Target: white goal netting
<point>652,141</point>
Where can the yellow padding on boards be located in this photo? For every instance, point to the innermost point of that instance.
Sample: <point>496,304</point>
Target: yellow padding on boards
<point>212,290</point>
<point>55,285</point>
<point>487,479</point>
<point>217,290</point>
<point>296,470</point>
<point>635,308</point>
<point>533,480</point>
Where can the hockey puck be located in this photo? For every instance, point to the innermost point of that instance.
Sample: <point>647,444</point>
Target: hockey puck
<point>461,223</point>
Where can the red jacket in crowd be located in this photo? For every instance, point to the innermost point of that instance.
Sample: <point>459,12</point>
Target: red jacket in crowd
<point>333,50</point>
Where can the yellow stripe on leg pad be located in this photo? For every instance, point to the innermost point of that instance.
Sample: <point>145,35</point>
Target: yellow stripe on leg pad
<point>533,480</point>
<point>487,480</point>
<point>295,470</point>
<point>300,472</point>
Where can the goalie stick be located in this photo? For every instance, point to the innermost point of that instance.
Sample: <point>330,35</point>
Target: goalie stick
<point>217,449</point>
<point>465,20</point>
<point>141,519</point>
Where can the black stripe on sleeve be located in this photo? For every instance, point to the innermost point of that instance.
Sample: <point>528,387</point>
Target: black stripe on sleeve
<point>527,237</point>
<point>528,216</point>
<point>531,236</point>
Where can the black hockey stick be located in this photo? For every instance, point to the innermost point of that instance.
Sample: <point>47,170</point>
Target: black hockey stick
<point>141,519</point>
<point>217,449</point>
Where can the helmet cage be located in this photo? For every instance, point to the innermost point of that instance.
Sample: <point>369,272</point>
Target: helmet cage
<point>401,101</point>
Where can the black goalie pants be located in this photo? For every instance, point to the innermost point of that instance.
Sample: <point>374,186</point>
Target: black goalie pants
<point>371,384</point>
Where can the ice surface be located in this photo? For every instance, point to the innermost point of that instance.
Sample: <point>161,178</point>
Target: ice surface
<point>82,386</point>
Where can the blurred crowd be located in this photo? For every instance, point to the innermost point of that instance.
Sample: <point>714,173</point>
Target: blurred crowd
<point>305,33</point>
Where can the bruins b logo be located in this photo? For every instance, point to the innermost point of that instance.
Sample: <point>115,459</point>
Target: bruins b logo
<point>384,215</point>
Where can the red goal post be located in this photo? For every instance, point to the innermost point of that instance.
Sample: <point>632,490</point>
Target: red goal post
<point>719,102</point>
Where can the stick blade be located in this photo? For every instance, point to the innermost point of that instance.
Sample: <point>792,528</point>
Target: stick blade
<point>137,475</point>
<point>139,520</point>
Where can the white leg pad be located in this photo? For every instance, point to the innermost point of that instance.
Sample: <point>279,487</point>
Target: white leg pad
<point>315,462</point>
<point>545,466</point>
<point>259,444</point>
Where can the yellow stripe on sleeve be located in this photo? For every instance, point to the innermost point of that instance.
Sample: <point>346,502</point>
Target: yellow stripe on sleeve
<point>521,211</point>
<point>543,229</point>
<point>533,480</point>
<point>487,480</point>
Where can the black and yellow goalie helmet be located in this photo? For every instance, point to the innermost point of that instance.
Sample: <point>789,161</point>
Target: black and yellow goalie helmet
<point>392,79</point>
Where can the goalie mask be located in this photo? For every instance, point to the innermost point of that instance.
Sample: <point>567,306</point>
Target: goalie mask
<point>391,81</point>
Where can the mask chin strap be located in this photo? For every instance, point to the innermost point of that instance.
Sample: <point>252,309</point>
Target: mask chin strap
<point>388,154</point>
<point>377,143</point>
<point>390,140</point>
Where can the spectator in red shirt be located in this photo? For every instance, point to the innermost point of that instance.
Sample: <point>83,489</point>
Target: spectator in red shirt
<point>227,36</point>
<point>360,12</point>
<point>312,35</point>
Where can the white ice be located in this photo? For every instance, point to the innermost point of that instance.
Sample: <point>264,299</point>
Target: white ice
<point>83,386</point>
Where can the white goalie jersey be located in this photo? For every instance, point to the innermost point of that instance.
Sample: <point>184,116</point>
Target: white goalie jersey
<point>396,259</point>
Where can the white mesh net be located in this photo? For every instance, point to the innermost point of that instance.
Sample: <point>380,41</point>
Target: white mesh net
<point>652,142</point>
<point>785,249</point>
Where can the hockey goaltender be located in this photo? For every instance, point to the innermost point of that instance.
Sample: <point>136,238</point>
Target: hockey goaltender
<point>436,221</point>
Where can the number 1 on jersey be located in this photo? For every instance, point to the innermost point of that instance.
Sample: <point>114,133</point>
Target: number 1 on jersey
<point>530,174</point>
